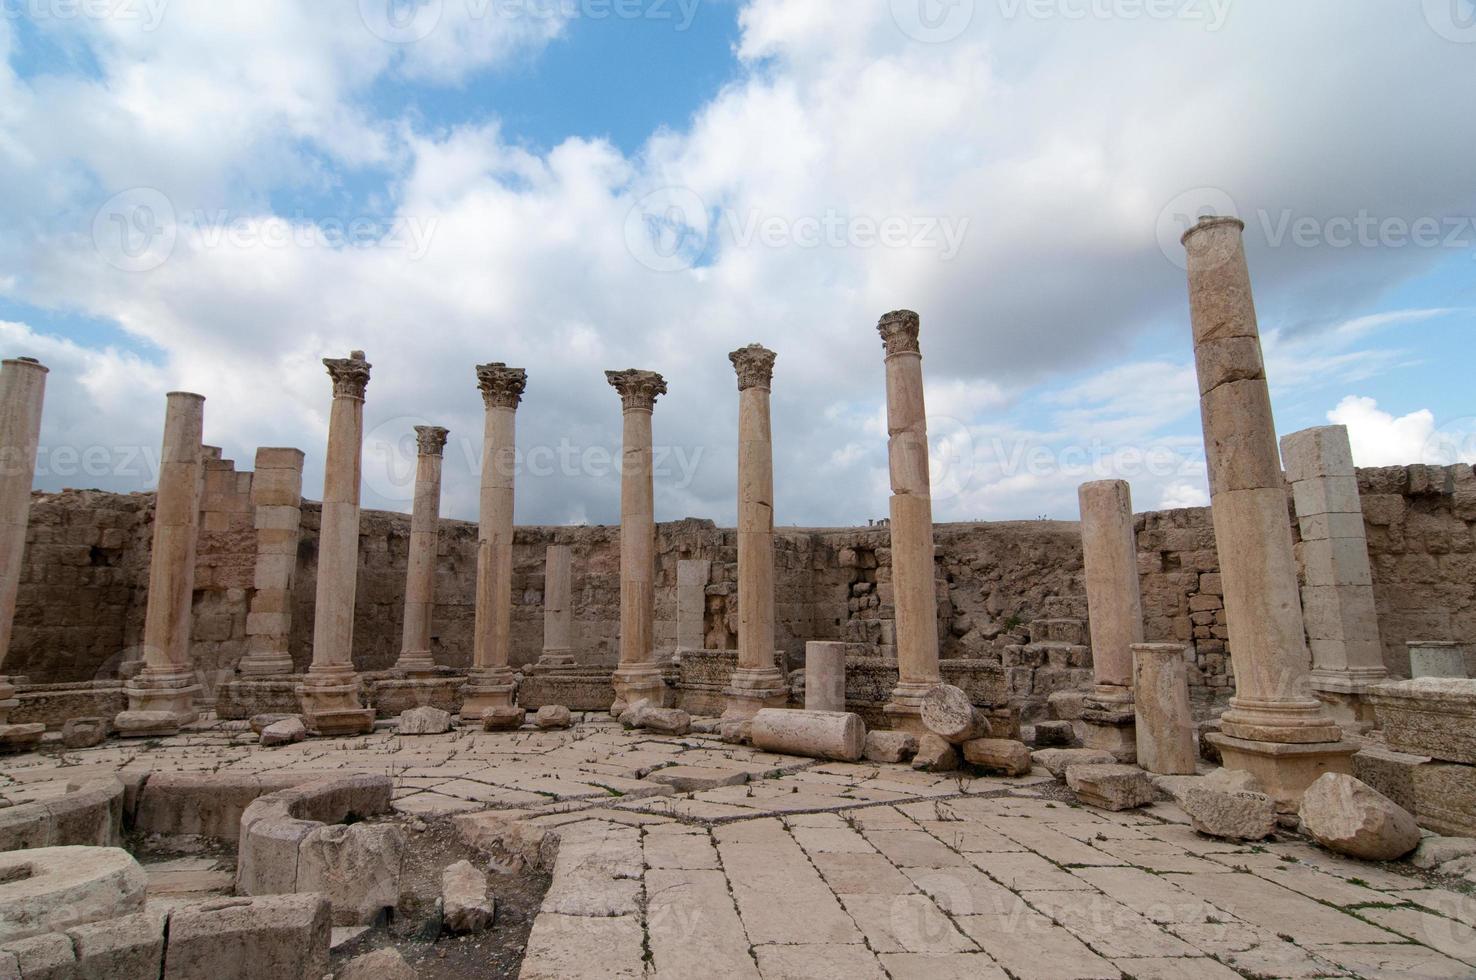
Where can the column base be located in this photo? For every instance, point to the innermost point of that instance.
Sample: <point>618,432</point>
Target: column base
<point>20,738</point>
<point>1285,770</point>
<point>494,687</point>
<point>416,663</point>
<point>1341,693</point>
<point>1293,721</point>
<point>330,703</point>
<point>265,665</point>
<point>904,711</point>
<point>159,703</point>
<point>556,660</point>
<point>750,691</point>
<point>636,683</point>
<point>1110,722</point>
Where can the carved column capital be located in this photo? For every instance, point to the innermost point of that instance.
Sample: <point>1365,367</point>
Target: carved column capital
<point>755,366</point>
<point>502,386</point>
<point>899,331</point>
<point>431,439</point>
<point>638,389</point>
<point>350,375</point>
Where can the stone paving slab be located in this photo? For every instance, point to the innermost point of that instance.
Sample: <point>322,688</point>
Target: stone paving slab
<point>747,864</point>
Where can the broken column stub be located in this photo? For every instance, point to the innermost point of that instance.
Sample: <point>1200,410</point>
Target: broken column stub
<point>1115,609</point>
<point>834,735</point>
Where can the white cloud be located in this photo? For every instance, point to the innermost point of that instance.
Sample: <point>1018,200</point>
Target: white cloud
<point>1380,439</point>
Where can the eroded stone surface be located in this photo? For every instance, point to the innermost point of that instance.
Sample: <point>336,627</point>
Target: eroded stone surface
<point>1351,817</point>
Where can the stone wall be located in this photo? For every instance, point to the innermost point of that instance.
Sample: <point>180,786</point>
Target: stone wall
<point>1008,592</point>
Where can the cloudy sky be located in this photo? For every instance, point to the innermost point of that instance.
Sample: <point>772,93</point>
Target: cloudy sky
<point>214,196</point>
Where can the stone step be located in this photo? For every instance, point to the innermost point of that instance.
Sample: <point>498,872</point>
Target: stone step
<point>1072,631</point>
<point>1065,607</point>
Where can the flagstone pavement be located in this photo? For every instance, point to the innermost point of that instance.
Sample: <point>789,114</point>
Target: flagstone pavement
<point>686,857</point>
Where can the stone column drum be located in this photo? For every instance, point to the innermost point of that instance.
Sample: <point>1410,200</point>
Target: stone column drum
<point>558,608</point>
<point>22,391</point>
<point>1166,734</point>
<point>757,683</point>
<point>825,676</point>
<point>912,523</point>
<point>1274,728</point>
<point>1338,597</point>
<point>420,572</point>
<point>161,698</point>
<point>638,675</point>
<point>330,691</point>
<point>276,498</point>
<point>492,683</point>
<point>1115,610</point>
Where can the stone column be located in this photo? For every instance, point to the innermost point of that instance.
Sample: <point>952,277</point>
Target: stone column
<point>161,698</point>
<point>420,571</point>
<point>1115,610</point>
<point>1338,599</point>
<point>637,676</point>
<point>558,608</point>
<point>492,683</point>
<point>691,611</point>
<point>825,676</point>
<point>912,523</point>
<point>1274,727</point>
<point>276,496</point>
<point>330,691</point>
<point>22,391</point>
<point>1165,724</point>
<point>758,682</point>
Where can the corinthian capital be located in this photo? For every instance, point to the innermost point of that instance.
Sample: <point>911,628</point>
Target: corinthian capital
<point>502,386</point>
<point>638,389</point>
<point>431,439</point>
<point>755,366</point>
<point>350,375</point>
<point>898,331</point>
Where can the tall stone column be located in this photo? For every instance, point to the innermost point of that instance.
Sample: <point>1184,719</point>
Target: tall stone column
<point>912,522</point>
<point>637,675</point>
<point>420,572</point>
<point>330,691</point>
<point>1115,609</point>
<point>1274,727</point>
<point>757,683</point>
<point>22,391</point>
<point>492,683</point>
<point>276,495</point>
<point>1338,599</point>
<point>161,698</point>
<point>558,608</point>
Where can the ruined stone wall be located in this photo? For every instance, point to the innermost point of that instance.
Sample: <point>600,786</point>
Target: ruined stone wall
<point>1007,592</point>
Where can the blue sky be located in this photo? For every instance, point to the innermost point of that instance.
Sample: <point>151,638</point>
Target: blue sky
<point>214,198</point>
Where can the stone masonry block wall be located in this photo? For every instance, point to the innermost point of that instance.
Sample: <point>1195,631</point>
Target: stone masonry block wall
<point>1001,587</point>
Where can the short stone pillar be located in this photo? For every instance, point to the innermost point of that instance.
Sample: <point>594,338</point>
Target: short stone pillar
<point>1432,658</point>
<point>691,608</point>
<point>1274,728</point>
<point>492,683</point>
<point>420,571</point>
<point>758,682</point>
<point>558,608</point>
<point>1338,598</point>
<point>1115,610</point>
<point>276,498</point>
<point>1167,740</point>
<point>161,698</point>
<point>330,691</point>
<point>638,675</point>
<point>22,392</point>
<point>825,676</point>
<point>911,523</point>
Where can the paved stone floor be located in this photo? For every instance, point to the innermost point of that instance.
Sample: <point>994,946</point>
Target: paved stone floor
<point>685,857</point>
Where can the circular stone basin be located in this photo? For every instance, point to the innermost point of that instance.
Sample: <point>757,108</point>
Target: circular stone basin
<point>49,889</point>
